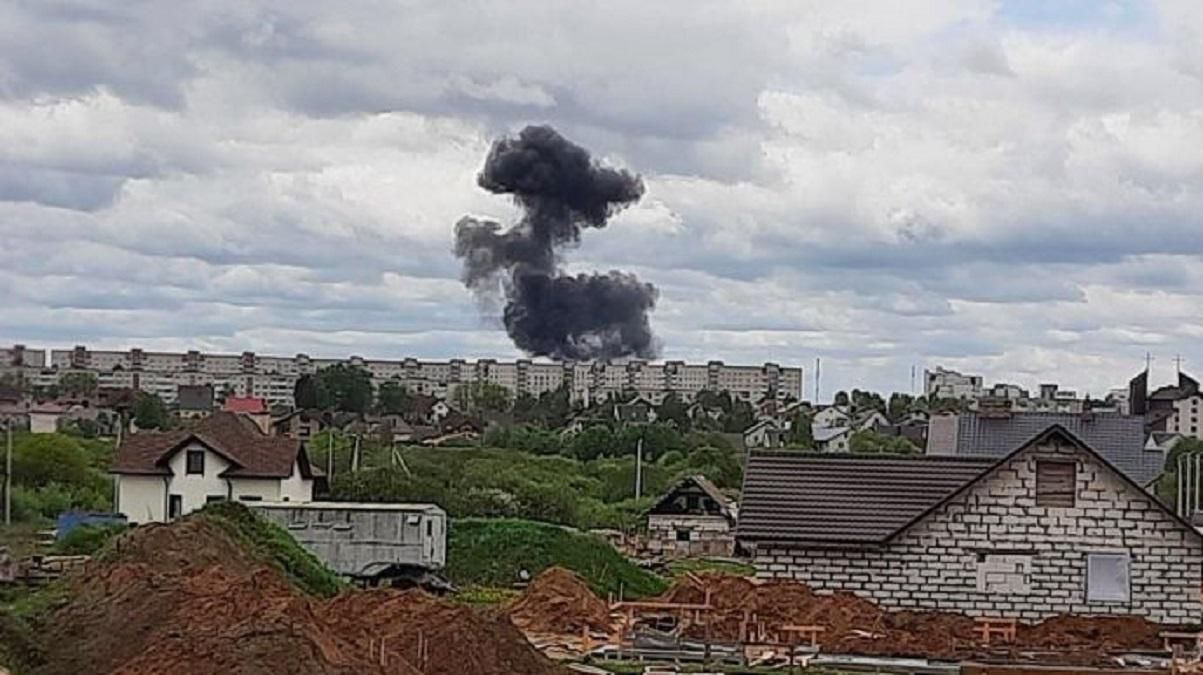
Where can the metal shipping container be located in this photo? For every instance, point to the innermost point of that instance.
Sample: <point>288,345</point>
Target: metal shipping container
<point>365,540</point>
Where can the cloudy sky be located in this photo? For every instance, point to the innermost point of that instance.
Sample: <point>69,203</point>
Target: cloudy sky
<point>1012,187</point>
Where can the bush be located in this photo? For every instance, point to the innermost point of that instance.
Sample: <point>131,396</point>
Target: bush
<point>493,552</point>
<point>88,539</point>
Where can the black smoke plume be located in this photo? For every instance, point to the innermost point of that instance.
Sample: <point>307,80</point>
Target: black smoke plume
<point>561,191</point>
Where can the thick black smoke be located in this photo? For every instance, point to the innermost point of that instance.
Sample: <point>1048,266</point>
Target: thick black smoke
<point>561,191</point>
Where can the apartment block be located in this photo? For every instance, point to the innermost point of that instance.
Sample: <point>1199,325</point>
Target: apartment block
<point>273,377</point>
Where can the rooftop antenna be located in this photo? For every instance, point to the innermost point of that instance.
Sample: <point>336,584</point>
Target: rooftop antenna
<point>1148,361</point>
<point>1178,363</point>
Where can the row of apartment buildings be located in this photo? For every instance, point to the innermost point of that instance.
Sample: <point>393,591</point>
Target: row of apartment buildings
<point>943,383</point>
<point>273,377</point>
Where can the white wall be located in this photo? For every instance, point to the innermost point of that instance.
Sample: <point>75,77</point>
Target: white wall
<point>195,488</point>
<point>266,489</point>
<point>296,488</point>
<point>143,499</point>
<point>43,423</point>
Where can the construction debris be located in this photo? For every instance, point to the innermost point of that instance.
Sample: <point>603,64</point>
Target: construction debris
<point>559,601</point>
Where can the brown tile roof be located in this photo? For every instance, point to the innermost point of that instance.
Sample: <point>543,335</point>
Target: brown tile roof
<point>234,437</point>
<point>848,499</point>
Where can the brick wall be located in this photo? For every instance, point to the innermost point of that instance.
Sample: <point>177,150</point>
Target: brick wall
<point>992,551</point>
<point>709,535</point>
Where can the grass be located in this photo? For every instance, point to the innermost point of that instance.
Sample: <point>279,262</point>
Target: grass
<point>493,552</point>
<point>275,546</point>
<point>679,568</point>
<point>486,596</point>
<point>88,539</point>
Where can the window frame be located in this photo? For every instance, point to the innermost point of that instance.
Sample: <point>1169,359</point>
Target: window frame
<point>1056,500</point>
<point>189,455</point>
<point>688,535</point>
<point>1126,556</point>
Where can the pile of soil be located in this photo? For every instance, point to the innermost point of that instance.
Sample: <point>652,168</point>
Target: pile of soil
<point>186,598</point>
<point>558,601</point>
<point>856,625</point>
<point>439,638</point>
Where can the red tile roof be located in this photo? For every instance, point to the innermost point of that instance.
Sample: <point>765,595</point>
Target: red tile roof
<point>235,437</point>
<point>249,405</point>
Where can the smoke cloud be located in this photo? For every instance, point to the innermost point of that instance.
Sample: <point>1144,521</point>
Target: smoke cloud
<point>561,191</point>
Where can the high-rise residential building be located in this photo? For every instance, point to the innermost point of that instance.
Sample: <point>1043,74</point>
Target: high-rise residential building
<point>273,377</point>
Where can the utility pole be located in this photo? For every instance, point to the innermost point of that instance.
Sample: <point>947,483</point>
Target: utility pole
<point>639,468</point>
<point>818,374</point>
<point>8,473</point>
<point>330,454</point>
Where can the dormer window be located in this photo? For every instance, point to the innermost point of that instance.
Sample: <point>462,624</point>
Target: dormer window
<point>195,462</point>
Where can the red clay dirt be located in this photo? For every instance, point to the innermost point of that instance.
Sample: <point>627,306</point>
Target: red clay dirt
<point>185,598</point>
<point>559,601</point>
<point>856,625</point>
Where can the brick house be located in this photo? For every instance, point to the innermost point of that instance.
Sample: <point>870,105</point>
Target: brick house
<point>1053,527</point>
<point>693,518</point>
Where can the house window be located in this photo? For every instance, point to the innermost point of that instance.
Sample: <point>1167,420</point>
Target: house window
<point>195,462</point>
<point>250,498</point>
<point>214,498</point>
<point>1107,577</point>
<point>683,535</point>
<point>1055,483</point>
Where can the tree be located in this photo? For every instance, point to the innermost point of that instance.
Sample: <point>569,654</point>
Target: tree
<point>841,398</point>
<point>899,406</point>
<point>595,441</point>
<point>872,442</point>
<point>305,393</point>
<point>78,384</point>
<point>801,434</point>
<point>345,388</point>
<point>393,397</point>
<point>864,401</point>
<point>41,459</point>
<point>482,396</point>
<point>150,412</point>
<point>673,409</point>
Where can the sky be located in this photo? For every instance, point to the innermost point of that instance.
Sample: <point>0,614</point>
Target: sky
<point>1008,188</point>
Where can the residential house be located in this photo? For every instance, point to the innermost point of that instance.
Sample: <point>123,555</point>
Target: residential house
<point>832,439</point>
<point>694,518</point>
<point>831,416</point>
<point>766,433</point>
<point>44,418</point>
<point>427,410</point>
<point>1119,438</point>
<point>870,420</point>
<point>1052,527</point>
<point>638,411</point>
<point>162,476</point>
<point>194,401</point>
<point>299,424</point>
<point>254,408</point>
<point>1163,441</point>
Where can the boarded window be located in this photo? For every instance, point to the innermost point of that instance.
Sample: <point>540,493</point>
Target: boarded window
<point>1107,578</point>
<point>1056,483</point>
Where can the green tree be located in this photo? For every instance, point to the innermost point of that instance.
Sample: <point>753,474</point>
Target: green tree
<point>899,406</point>
<point>482,397</point>
<point>872,442</point>
<point>801,434</point>
<point>305,393</point>
<point>150,412</point>
<point>595,441</point>
<point>393,397</point>
<point>78,384</point>
<point>345,388</point>
<point>41,459</point>
<point>841,398</point>
<point>673,409</point>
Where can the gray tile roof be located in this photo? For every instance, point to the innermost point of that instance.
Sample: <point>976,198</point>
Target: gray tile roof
<point>844,499</point>
<point>1120,439</point>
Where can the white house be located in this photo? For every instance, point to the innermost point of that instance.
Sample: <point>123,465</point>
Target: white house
<point>162,476</point>
<point>832,439</point>
<point>44,418</point>
<point>870,421</point>
<point>766,433</point>
<point>831,416</point>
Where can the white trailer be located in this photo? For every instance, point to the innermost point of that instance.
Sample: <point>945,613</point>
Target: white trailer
<point>368,541</point>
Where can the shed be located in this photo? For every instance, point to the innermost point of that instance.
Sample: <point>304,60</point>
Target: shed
<point>694,518</point>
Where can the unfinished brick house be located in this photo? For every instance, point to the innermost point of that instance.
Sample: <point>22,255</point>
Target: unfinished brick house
<point>1050,528</point>
<point>692,519</point>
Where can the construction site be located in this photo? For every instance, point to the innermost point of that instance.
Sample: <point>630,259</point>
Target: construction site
<point>191,598</point>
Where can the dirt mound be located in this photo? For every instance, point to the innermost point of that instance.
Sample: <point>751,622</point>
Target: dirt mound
<point>1111,633</point>
<point>724,591</point>
<point>457,639</point>
<point>187,598</point>
<point>559,601</point>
